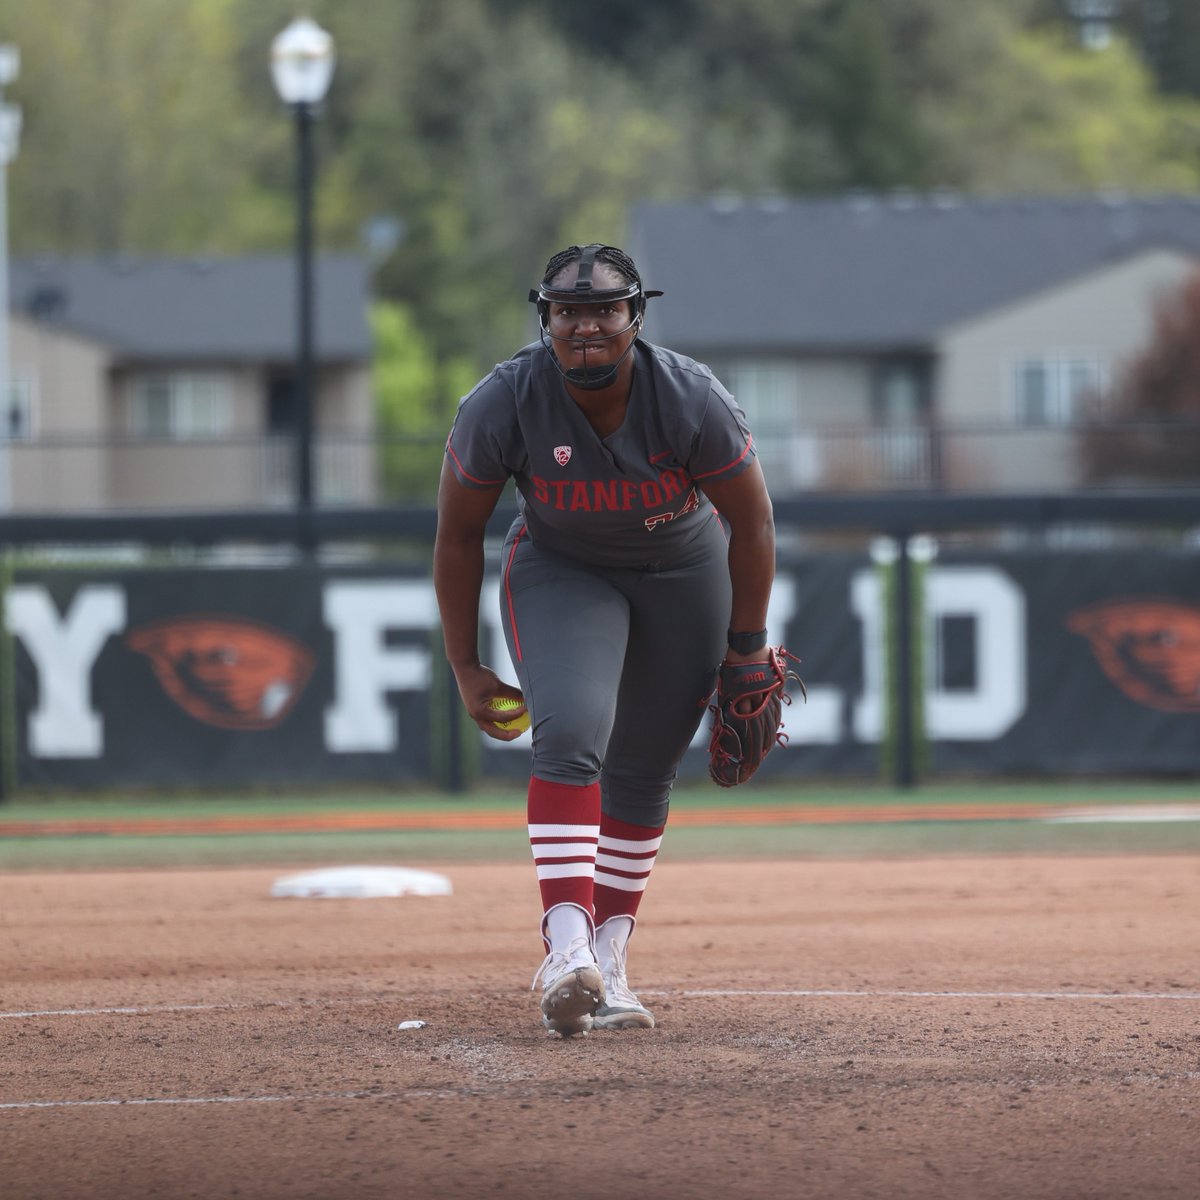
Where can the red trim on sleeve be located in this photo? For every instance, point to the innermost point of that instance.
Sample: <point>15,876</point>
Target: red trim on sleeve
<point>465,473</point>
<point>726,467</point>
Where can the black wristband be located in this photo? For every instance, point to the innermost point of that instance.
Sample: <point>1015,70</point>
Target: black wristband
<point>747,643</point>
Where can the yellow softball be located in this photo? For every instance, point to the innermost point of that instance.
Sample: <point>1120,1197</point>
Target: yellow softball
<point>500,703</point>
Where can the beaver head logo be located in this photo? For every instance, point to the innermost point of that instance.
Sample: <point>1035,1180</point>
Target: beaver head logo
<point>1149,648</point>
<point>226,671</point>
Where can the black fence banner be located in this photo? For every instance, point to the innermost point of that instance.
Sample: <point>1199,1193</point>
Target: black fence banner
<point>1031,662</point>
<point>1099,671</point>
<point>220,677</point>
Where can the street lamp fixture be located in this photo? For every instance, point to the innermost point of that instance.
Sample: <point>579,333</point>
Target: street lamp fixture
<point>302,61</point>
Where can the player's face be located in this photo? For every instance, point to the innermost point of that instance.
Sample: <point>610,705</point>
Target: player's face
<point>601,332</point>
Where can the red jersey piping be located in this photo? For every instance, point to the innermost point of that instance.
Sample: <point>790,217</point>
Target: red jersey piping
<point>465,473</point>
<point>734,463</point>
<point>508,596</point>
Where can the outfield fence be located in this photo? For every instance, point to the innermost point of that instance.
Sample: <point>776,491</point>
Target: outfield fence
<point>974,634</point>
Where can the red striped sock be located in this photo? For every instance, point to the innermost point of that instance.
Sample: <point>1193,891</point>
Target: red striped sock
<point>624,860</point>
<point>564,825</point>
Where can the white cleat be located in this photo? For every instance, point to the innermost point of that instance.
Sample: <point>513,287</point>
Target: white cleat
<point>620,1009</point>
<point>575,989</point>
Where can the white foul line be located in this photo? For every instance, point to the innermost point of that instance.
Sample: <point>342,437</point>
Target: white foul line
<point>942,995</point>
<point>416,1094</point>
<point>146,1010</point>
<point>695,993</point>
<point>109,1012</point>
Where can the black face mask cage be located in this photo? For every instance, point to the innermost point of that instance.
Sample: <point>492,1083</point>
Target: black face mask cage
<point>582,292</point>
<point>586,377</point>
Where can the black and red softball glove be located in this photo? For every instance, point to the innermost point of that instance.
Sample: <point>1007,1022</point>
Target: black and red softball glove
<point>748,715</point>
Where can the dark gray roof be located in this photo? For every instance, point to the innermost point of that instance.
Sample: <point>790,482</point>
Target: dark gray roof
<point>227,309</point>
<point>875,272</point>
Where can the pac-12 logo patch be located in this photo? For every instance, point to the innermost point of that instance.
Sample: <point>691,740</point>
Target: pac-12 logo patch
<point>1149,648</point>
<point>562,455</point>
<point>226,671</point>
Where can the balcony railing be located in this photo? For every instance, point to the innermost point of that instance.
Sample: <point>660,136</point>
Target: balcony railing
<point>55,474</point>
<point>979,457</point>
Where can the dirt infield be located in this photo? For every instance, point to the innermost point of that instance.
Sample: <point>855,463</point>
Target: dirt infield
<point>966,1028</point>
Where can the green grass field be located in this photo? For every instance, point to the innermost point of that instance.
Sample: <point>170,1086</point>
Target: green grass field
<point>870,821</point>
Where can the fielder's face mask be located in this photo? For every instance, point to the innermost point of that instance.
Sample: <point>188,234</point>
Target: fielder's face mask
<point>597,376</point>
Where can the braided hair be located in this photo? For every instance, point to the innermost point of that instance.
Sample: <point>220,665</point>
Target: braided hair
<point>617,259</point>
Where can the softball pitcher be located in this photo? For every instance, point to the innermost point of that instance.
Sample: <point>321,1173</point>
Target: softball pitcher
<point>622,596</point>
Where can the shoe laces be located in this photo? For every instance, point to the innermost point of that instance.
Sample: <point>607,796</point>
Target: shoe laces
<point>558,962</point>
<point>616,986</point>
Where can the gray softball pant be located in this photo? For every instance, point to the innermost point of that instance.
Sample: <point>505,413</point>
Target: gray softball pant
<point>616,663</point>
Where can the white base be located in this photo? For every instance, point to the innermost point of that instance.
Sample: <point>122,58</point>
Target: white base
<point>362,883</point>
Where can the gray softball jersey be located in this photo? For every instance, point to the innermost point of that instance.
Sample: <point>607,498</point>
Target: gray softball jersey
<point>628,500</point>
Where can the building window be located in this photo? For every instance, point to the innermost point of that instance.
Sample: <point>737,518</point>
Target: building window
<point>16,422</point>
<point>1055,391</point>
<point>899,402</point>
<point>767,392</point>
<point>181,406</point>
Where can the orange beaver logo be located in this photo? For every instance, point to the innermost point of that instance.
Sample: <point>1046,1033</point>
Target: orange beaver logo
<point>226,671</point>
<point>1149,648</point>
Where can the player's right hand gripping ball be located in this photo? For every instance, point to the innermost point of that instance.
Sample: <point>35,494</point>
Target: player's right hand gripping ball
<point>742,739</point>
<point>500,703</point>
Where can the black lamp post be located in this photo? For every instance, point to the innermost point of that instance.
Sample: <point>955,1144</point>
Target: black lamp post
<point>10,136</point>
<point>302,60</point>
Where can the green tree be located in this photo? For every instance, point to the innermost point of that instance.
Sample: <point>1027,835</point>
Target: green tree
<point>415,396</point>
<point>857,95</point>
<point>1168,33</point>
<point>494,155</point>
<point>1051,117</point>
<point>134,138</point>
<point>1165,32</point>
